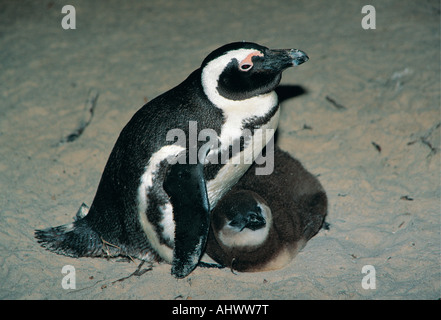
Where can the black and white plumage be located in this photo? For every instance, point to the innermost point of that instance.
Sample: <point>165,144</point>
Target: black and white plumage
<point>265,220</point>
<point>141,205</point>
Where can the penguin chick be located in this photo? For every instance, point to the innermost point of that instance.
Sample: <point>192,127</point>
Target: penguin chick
<point>265,220</point>
<point>138,206</point>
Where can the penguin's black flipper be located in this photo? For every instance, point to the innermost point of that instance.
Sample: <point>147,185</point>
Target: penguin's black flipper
<point>185,184</point>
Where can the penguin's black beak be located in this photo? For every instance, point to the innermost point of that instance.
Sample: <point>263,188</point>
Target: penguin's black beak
<point>280,59</point>
<point>298,56</point>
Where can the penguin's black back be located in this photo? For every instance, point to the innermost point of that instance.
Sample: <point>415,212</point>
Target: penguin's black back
<point>113,215</point>
<point>117,191</point>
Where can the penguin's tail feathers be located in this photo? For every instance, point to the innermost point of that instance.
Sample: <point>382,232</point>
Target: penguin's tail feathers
<point>74,239</point>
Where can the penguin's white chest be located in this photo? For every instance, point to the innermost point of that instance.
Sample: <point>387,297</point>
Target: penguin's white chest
<point>166,221</point>
<point>235,167</point>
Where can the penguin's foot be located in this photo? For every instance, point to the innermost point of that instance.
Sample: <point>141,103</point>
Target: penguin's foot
<point>210,265</point>
<point>232,268</point>
<point>138,272</point>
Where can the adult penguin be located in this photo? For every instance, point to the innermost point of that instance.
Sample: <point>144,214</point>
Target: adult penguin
<point>150,207</point>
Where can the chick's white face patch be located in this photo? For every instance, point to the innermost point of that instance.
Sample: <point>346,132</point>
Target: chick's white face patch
<point>232,238</point>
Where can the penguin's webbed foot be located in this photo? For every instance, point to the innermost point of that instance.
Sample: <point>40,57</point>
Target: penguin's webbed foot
<point>210,265</point>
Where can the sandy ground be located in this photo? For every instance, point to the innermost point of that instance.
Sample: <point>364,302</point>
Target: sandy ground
<point>367,123</point>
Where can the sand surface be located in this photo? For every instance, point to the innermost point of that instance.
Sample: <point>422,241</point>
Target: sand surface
<point>363,114</point>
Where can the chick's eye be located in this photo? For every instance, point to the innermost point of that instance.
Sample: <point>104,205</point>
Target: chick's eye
<point>245,67</point>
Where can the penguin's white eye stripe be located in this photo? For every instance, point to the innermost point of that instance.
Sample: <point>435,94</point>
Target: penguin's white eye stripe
<point>246,64</point>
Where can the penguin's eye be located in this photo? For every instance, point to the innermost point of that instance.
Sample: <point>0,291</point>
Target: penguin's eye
<point>247,63</point>
<point>245,67</point>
